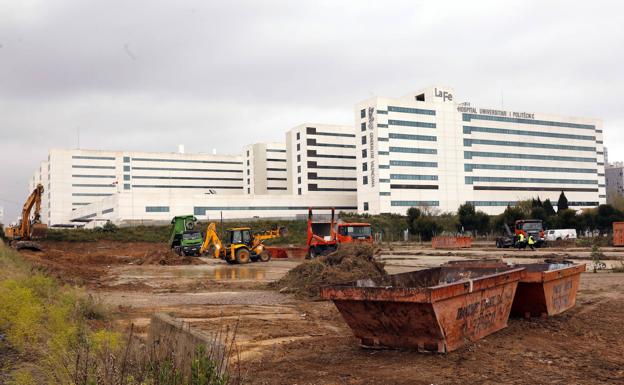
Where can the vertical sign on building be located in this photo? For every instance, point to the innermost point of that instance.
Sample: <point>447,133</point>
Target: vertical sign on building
<point>371,144</point>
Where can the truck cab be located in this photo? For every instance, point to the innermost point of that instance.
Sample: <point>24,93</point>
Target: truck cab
<point>354,232</point>
<point>534,227</point>
<point>184,239</point>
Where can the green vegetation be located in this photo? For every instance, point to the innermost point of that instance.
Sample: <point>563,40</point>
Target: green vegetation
<point>52,328</point>
<point>296,232</point>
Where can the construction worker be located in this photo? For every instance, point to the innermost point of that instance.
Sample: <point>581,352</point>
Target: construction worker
<point>531,242</point>
<point>521,244</point>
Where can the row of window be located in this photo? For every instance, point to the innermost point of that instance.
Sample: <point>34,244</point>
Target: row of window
<point>95,167</point>
<point>413,177</point>
<point>532,188</point>
<point>178,178</point>
<point>92,176</point>
<point>471,179</point>
<point>414,203</point>
<point>407,163</point>
<point>278,160</point>
<point>191,187</point>
<point>408,110</point>
<point>274,150</point>
<point>108,211</point>
<point>182,169</point>
<point>312,131</point>
<point>156,209</point>
<point>482,154</point>
<point>469,117</point>
<point>92,185</point>
<point>470,142</point>
<point>91,195</point>
<point>93,157</point>
<point>469,167</point>
<point>408,123</point>
<point>428,138</point>
<point>184,161</point>
<point>513,203</point>
<point>470,129</point>
<point>412,150</point>
<point>201,210</point>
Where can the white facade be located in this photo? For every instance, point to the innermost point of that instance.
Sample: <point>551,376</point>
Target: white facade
<point>425,149</point>
<point>614,173</point>
<point>321,160</point>
<point>265,169</point>
<point>77,178</point>
<point>156,207</point>
<point>422,149</point>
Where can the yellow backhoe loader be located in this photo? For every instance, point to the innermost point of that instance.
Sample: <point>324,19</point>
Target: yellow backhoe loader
<point>241,244</point>
<point>21,236</point>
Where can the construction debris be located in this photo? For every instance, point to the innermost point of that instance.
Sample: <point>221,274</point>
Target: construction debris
<point>352,261</point>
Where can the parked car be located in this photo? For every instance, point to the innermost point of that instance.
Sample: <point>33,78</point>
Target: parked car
<point>559,234</point>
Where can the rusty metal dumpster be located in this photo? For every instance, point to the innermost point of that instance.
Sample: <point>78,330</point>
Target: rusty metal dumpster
<point>547,289</point>
<point>449,242</point>
<point>618,233</point>
<point>432,310</point>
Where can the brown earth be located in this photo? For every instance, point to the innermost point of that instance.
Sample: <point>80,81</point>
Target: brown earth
<point>284,340</point>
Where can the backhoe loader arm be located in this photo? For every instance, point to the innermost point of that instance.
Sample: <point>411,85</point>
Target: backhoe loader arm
<point>212,239</point>
<point>262,236</point>
<point>34,199</point>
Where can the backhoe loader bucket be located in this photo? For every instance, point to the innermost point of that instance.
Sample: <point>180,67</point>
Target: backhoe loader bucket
<point>432,310</point>
<point>38,231</point>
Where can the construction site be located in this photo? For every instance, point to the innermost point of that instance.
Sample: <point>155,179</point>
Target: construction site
<point>342,309</point>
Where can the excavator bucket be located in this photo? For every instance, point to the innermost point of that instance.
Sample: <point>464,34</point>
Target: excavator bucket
<point>38,231</point>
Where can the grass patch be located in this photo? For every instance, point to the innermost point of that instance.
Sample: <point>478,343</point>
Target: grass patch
<point>50,327</point>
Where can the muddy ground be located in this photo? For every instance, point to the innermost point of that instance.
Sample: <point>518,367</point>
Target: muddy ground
<point>287,341</point>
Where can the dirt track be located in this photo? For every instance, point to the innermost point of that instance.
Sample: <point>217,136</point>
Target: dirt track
<point>287,341</point>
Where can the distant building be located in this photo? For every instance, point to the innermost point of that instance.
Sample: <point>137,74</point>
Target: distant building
<point>422,149</point>
<point>615,181</point>
<point>426,149</point>
<point>1,214</point>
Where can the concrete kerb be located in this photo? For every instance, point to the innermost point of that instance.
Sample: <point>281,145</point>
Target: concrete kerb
<point>173,339</point>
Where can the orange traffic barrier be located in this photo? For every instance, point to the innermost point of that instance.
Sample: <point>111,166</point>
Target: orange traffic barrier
<point>449,242</point>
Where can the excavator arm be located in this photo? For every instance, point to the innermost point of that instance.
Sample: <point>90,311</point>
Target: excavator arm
<point>211,239</point>
<point>27,229</point>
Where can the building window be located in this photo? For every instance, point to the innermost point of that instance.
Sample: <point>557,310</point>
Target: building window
<point>126,168</point>
<point>365,206</point>
<point>299,169</point>
<point>364,153</point>
<point>248,181</point>
<point>298,157</point>
<point>248,190</point>
<point>364,166</point>
<point>126,159</point>
<point>298,135</point>
<point>299,191</point>
<point>298,146</point>
<point>247,162</point>
<point>247,171</point>
<point>156,209</point>
<point>127,186</point>
<point>247,152</point>
<point>364,139</point>
<point>363,126</point>
<point>126,177</point>
<point>299,180</point>
<point>365,179</point>
<point>363,113</point>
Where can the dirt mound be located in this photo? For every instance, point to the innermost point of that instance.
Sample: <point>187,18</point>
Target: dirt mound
<point>349,263</point>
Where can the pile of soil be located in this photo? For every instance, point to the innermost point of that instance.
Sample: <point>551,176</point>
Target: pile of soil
<point>350,262</point>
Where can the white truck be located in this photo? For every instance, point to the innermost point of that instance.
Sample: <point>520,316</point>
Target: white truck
<point>560,234</point>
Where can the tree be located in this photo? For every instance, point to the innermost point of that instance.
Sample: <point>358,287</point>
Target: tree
<point>549,208</point>
<point>426,227</point>
<point>471,219</point>
<point>413,213</point>
<point>539,212</point>
<point>567,219</point>
<point>537,202</point>
<point>605,216</point>
<point>562,203</point>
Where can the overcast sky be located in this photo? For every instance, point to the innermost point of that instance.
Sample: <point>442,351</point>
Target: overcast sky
<point>148,75</point>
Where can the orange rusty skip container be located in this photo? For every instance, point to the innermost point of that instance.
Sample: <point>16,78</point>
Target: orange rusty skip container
<point>449,242</point>
<point>547,289</point>
<point>432,310</point>
<point>618,233</point>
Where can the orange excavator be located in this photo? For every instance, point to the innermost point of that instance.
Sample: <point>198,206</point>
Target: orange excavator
<point>22,235</point>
